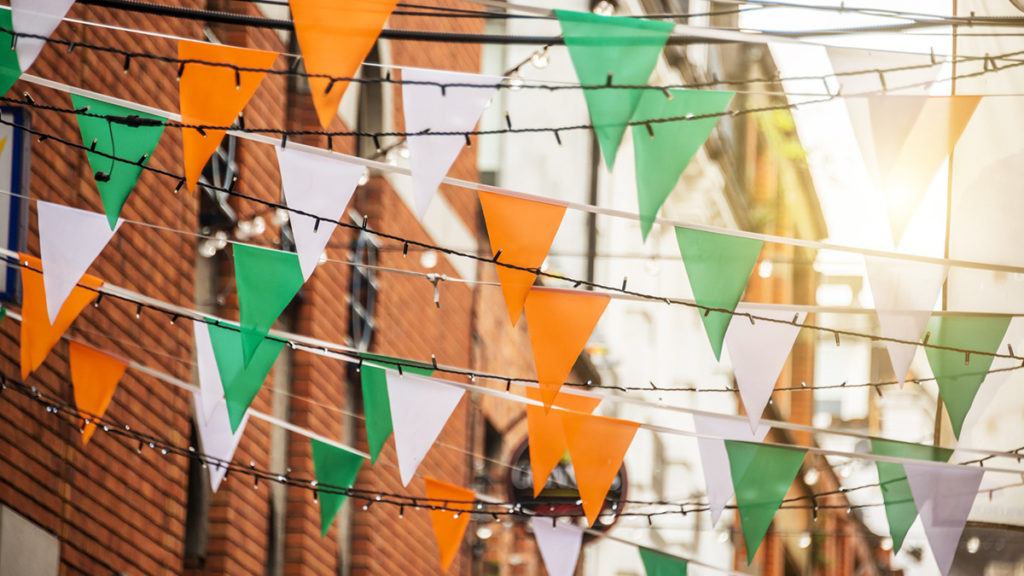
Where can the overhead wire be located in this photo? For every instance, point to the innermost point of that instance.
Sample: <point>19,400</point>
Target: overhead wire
<point>347,354</point>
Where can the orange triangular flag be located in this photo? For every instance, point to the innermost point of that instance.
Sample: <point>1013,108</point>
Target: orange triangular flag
<point>523,231</point>
<point>597,446</point>
<point>94,376</point>
<point>37,335</point>
<point>449,526</point>
<point>335,37</point>
<point>545,433</point>
<point>214,96</point>
<point>560,323</point>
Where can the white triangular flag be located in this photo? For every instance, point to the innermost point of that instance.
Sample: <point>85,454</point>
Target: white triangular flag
<point>69,240</point>
<point>905,293</point>
<point>38,17</point>
<point>215,437</point>
<point>319,185</point>
<point>856,71</point>
<point>714,458</point>
<point>420,407</point>
<point>211,389</point>
<point>559,545</point>
<point>758,352</point>
<point>943,496</point>
<point>429,108</point>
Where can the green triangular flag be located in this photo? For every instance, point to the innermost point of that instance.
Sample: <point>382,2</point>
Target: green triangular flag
<point>266,281</point>
<point>376,406</point>
<point>718,267</point>
<point>241,383</point>
<point>900,510</point>
<point>761,476</point>
<point>625,48</point>
<point>957,375</point>
<point>132,145</point>
<point>661,159</point>
<point>10,69</point>
<point>658,564</point>
<point>336,468</point>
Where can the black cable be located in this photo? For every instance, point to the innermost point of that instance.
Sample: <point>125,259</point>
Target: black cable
<point>836,332</point>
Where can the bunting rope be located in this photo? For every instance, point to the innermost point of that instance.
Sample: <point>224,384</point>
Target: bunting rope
<point>837,333</point>
<point>484,506</point>
<point>1010,58</point>
<point>345,354</point>
<point>383,166</point>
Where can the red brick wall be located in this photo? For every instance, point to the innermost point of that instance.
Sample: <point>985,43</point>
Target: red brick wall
<point>117,511</point>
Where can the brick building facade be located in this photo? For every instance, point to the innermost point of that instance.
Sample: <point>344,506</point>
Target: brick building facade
<point>115,510</point>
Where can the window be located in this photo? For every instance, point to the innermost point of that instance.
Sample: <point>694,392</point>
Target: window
<point>363,300</point>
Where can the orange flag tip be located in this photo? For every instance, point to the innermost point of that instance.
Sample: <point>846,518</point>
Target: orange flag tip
<point>214,95</point>
<point>38,336</point>
<point>560,322</point>
<point>545,434</point>
<point>520,233</point>
<point>450,523</point>
<point>94,376</point>
<point>335,37</point>
<point>597,446</point>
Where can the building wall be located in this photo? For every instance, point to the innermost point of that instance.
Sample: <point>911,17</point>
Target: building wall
<point>115,510</point>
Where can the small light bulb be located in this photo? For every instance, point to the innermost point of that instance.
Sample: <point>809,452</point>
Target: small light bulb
<point>259,225</point>
<point>220,239</point>
<point>805,540</point>
<point>280,217</point>
<point>243,230</point>
<point>515,80</point>
<point>540,59</point>
<point>403,152</point>
<point>323,258</point>
<point>364,178</point>
<point>207,249</point>
<point>604,8</point>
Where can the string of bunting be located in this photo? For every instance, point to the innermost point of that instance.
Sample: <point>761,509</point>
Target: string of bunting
<point>704,309</point>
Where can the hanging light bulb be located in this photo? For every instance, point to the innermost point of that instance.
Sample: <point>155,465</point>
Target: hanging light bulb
<point>220,239</point>
<point>364,178</point>
<point>604,8</point>
<point>259,225</point>
<point>540,58</point>
<point>280,217</point>
<point>243,230</point>
<point>207,249</point>
<point>515,80</point>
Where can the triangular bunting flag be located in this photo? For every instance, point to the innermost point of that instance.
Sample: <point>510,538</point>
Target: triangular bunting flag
<point>131,144</point>
<point>428,108</point>
<point>320,185</point>
<point>545,434</point>
<point>216,439</point>
<point>94,376</point>
<point>905,293</point>
<point>266,281</point>
<point>211,390</point>
<point>937,130</point>
<point>69,240</point>
<point>35,18</point>
<point>597,446</point>
<point>376,406</point>
<point>759,352</point>
<point>718,267</point>
<point>334,468</point>
<point>560,322</point>
<point>881,124</point>
<point>522,231</point>
<point>714,431</point>
<point>761,476</point>
<point>449,526</point>
<point>38,335</point>
<point>10,69</point>
<point>620,51</point>
<point>658,564</point>
<point>944,497</point>
<point>214,95</point>
<point>662,152</point>
<point>911,73</point>
<point>960,375</point>
<point>559,545</point>
<point>335,38</point>
<point>900,510</point>
<point>241,380</point>
<point>420,407</point>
